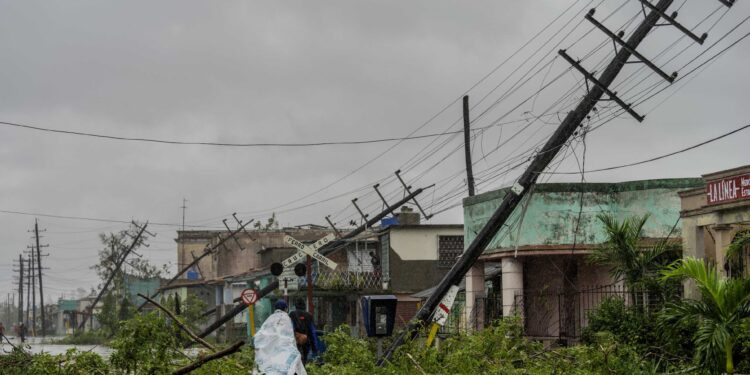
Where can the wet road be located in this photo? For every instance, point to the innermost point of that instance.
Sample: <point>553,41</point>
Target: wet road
<point>37,345</point>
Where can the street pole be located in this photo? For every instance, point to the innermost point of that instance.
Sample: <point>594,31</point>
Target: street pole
<point>39,268</point>
<point>20,289</point>
<point>542,159</point>
<point>310,307</point>
<point>467,147</point>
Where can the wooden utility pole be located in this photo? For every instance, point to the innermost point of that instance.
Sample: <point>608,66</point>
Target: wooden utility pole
<point>39,268</point>
<point>28,288</point>
<point>118,264</point>
<point>20,288</point>
<point>467,147</point>
<point>32,266</point>
<point>542,159</point>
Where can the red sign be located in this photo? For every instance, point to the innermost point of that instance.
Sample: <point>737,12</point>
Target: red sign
<point>728,189</point>
<point>249,296</point>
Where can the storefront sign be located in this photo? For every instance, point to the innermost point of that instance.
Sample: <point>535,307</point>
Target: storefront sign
<point>728,189</point>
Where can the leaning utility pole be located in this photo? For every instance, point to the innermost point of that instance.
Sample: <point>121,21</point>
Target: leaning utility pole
<point>20,288</point>
<point>118,264</point>
<point>541,160</point>
<point>467,147</point>
<point>39,267</point>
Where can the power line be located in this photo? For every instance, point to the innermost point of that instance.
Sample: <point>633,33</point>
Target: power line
<point>658,157</point>
<point>221,144</point>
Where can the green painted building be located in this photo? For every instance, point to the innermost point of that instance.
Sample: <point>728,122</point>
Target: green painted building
<point>541,250</point>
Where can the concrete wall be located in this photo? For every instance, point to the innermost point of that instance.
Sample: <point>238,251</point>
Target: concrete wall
<point>413,256</point>
<point>420,242</point>
<point>552,213</point>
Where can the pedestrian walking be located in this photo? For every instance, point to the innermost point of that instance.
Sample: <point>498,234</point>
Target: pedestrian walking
<point>304,330</point>
<point>275,349</point>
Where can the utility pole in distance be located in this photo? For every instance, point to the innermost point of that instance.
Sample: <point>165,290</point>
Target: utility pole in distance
<point>20,288</point>
<point>39,267</point>
<point>541,160</point>
<point>467,147</point>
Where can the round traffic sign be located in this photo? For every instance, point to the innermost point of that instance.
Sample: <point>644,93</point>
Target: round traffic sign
<point>249,296</point>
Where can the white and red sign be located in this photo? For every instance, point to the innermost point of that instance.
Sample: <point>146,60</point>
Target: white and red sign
<point>444,307</point>
<point>249,296</point>
<point>728,189</point>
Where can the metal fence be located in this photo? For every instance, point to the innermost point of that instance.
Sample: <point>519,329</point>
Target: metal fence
<point>344,280</point>
<point>565,313</point>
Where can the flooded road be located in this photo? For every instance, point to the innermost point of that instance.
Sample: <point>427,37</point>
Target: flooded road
<point>37,345</point>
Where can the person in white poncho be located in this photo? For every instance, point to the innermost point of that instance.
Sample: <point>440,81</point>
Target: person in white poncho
<point>275,347</point>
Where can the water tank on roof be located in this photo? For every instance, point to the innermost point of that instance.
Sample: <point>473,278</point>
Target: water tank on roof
<point>388,221</point>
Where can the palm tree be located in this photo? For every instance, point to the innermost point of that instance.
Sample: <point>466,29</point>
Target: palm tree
<point>626,255</point>
<point>723,305</point>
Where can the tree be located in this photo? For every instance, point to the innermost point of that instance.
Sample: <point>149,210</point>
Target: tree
<point>627,255</point>
<point>115,304</point>
<point>271,223</point>
<point>723,306</point>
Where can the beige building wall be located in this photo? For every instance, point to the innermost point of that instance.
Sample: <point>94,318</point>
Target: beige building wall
<point>420,243</point>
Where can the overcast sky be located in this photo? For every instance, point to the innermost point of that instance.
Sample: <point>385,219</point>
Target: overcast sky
<point>303,71</point>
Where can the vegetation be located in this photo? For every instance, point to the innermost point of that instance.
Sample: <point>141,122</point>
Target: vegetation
<point>639,334</point>
<point>628,256</point>
<point>721,312</point>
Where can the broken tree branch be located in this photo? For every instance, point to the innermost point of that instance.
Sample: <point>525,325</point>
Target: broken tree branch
<point>202,361</point>
<point>179,324</point>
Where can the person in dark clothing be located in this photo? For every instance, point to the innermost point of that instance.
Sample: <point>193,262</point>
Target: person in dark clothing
<point>22,332</point>
<point>304,330</point>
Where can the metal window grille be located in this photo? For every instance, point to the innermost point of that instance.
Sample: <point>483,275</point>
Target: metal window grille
<point>449,249</point>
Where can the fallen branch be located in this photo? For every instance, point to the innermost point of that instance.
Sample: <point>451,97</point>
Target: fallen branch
<point>179,324</point>
<point>416,364</point>
<point>202,361</point>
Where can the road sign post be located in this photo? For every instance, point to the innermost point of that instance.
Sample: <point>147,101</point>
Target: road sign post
<point>249,296</point>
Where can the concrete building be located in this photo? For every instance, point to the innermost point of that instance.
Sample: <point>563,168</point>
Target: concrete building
<point>716,214</point>
<point>541,252</point>
<point>415,257</point>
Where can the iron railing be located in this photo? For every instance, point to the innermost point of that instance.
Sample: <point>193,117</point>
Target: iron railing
<point>344,280</point>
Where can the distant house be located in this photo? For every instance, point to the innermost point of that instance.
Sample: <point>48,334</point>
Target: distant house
<point>544,275</point>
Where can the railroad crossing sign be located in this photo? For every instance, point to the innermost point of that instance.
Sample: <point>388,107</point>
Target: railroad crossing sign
<point>311,250</point>
<point>249,296</point>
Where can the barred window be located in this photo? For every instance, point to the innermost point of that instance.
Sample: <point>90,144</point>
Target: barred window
<point>449,249</point>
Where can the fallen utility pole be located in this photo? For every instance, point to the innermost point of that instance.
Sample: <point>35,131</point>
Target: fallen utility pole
<point>519,189</point>
<point>329,247</point>
<point>203,360</point>
<point>112,275</point>
<point>195,261</point>
<point>178,323</point>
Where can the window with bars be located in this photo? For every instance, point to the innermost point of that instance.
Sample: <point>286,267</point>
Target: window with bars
<point>449,249</point>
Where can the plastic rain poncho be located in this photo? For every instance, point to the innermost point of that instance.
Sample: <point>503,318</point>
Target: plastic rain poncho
<point>275,348</point>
